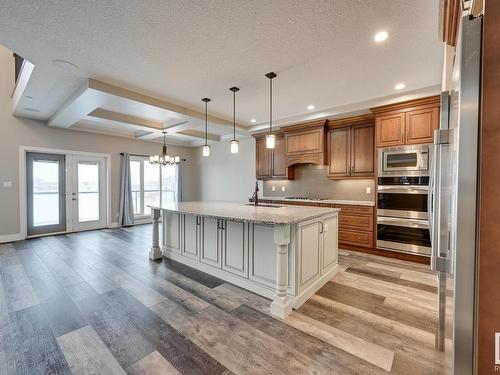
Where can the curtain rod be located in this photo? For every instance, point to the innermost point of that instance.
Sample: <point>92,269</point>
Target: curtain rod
<point>144,156</point>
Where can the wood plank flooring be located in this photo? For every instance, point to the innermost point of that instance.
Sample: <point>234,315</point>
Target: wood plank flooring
<point>93,303</point>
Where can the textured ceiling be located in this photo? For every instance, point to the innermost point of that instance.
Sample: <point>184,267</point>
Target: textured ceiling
<point>182,51</point>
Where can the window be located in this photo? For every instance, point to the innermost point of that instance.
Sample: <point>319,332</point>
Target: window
<point>151,184</point>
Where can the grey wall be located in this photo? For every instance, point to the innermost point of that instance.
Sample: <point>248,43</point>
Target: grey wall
<point>311,181</point>
<point>15,132</point>
<point>224,176</point>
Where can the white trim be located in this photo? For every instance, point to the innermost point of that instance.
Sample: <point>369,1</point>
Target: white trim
<point>22,181</point>
<point>11,237</point>
<point>114,224</point>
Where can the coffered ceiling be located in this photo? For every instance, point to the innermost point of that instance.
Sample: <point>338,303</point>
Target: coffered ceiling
<point>151,62</point>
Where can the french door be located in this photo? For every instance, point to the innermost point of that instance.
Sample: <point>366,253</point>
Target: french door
<point>46,193</point>
<point>65,193</point>
<point>88,193</point>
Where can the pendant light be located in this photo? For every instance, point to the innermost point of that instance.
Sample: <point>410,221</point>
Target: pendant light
<point>164,158</point>
<point>206,147</point>
<point>234,142</point>
<point>270,138</point>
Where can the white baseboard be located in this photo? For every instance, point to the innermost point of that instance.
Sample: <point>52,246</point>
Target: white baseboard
<point>11,237</point>
<point>114,225</point>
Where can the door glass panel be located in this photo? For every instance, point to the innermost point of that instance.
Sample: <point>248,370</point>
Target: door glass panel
<point>45,193</point>
<point>135,178</point>
<point>151,186</point>
<point>405,235</point>
<point>401,160</point>
<point>88,191</point>
<point>404,202</point>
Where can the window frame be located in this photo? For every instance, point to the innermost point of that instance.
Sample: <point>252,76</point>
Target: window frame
<point>141,214</point>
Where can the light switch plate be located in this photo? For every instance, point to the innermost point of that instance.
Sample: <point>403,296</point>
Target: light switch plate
<point>273,188</point>
<point>7,184</point>
<point>282,188</point>
<point>368,190</point>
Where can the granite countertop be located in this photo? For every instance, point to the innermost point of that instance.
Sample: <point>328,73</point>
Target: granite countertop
<point>325,201</point>
<point>245,212</point>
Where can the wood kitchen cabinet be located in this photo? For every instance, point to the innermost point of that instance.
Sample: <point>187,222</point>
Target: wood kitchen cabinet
<point>305,143</point>
<point>271,163</point>
<point>350,147</point>
<point>356,226</point>
<point>407,123</point>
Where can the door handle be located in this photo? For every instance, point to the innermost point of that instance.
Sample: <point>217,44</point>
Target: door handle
<point>74,199</point>
<point>321,227</point>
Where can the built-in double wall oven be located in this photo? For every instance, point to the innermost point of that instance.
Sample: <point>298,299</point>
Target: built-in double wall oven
<point>402,196</point>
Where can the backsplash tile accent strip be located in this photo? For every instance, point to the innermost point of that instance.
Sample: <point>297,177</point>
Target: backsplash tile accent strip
<point>311,181</point>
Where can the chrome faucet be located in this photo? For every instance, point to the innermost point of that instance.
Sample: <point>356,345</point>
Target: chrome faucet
<point>255,196</point>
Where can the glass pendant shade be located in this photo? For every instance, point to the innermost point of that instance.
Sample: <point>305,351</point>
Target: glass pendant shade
<point>206,150</point>
<point>234,146</point>
<point>270,140</point>
<point>177,159</point>
<point>152,159</point>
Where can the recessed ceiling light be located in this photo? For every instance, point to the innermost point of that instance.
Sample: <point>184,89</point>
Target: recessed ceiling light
<point>400,86</point>
<point>253,120</point>
<point>64,64</point>
<point>381,36</point>
<point>310,107</point>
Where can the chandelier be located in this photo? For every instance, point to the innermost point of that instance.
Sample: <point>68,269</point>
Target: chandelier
<point>164,158</point>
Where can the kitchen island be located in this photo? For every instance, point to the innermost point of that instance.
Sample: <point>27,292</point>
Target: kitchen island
<point>285,253</point>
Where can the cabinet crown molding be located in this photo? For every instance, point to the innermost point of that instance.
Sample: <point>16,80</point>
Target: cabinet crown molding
<point>407,105</point>
<point>353,120</point>
<point>305,126</point>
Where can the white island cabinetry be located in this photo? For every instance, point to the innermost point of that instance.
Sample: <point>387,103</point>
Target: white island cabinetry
<point>284,253</point>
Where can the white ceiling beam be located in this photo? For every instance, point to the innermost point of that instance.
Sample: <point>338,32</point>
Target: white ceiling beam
<point>126,119</point>
<point>83,101</point>
<point>200,135</point>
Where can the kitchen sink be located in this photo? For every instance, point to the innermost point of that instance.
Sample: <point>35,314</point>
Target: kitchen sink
<point>264,205</point>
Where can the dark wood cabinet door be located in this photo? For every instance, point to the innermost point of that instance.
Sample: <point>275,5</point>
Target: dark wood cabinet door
<point>390,129</point>
<point>362,151</point>
<point>420,125</point>
<point>279,160</point>
<point>262,159</point>
<point>339,153</point>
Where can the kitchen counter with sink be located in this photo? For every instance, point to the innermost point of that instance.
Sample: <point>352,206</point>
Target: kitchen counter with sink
<point>285,253</point>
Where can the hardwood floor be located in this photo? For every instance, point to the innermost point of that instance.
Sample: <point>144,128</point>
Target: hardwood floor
<point>93,303</point>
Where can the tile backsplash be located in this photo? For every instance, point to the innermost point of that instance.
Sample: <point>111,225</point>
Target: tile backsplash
<point>311,181</point>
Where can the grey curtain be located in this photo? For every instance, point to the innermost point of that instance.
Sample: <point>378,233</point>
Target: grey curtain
<point>126,214</point>
<point>179,183</point>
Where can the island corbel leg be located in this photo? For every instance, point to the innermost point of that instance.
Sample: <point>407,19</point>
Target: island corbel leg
<point>155,252</point>
<point>281,306</point>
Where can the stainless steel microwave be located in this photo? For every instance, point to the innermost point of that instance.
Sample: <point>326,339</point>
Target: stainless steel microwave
<point>404,161</point>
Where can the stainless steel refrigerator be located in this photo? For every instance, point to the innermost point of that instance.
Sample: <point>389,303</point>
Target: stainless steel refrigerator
<point>453,199</point>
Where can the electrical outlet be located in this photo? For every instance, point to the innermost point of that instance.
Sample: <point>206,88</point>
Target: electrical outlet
<point>273,188</point>
<point>7,184</point>
<point>282,188</point>
<point>368,190</point>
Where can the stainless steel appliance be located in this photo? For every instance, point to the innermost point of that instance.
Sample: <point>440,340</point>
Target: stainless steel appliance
<point>453,197</point>
<point>404,161</point>
<point>402,217</point>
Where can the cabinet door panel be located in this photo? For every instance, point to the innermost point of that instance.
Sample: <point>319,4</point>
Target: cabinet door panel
<point>262,255</point>
<point>171,231</point>
<point>304,142</point>
<point>390,129</point>
<point>279,161</point>
<point>263,159</point>
<point>190,245</point>
<point>234,255</point>
<point>339,153</point>
<point>353,221</point>
<point>330,243</point>
<point>355,238</point>
<point>420,125</point>
<point>210,253</point>
<point>309,242</point>
<point>362,150</point>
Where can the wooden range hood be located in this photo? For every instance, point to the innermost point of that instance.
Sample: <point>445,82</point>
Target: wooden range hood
<point>306,143</point>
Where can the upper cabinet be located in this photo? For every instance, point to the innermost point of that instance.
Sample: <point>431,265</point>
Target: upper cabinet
<point>350,147</point>
<point>271,163</point>
<point>305,143</point>
<point>407,123</point>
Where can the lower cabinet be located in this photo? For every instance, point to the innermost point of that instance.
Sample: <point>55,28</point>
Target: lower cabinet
<point>211,242</point>
<point>234,247</point>
<point>356,227</point>
<point>329,248</point>
<point>191,235</point>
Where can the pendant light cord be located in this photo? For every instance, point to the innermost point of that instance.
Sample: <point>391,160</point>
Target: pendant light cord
<point>234,115</point>
<point>270,105</point>
<point>206,122</point>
